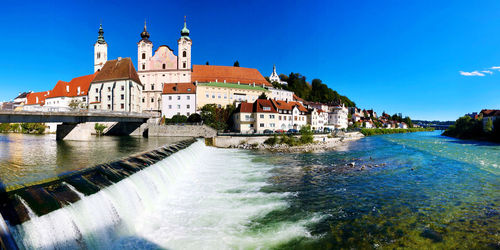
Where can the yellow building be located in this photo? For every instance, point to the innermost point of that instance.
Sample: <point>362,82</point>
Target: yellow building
<point>224,85</point>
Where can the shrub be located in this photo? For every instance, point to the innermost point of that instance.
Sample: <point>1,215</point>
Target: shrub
<point>306,135</point>
<point>99,128</point>
<point>32,128</point>
<point>272,140</point>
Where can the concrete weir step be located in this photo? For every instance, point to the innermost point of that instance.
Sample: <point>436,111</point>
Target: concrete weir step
<point>49,195</point>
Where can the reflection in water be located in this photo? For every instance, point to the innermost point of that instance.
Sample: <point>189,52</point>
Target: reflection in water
<point>28,158</point>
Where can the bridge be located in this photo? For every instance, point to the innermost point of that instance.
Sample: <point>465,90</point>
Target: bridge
<point>76,124</point>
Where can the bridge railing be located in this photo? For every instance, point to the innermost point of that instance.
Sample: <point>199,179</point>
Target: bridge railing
<point>74,110</point>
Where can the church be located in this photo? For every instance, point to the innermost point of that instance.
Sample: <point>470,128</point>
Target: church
<point>154,69</point>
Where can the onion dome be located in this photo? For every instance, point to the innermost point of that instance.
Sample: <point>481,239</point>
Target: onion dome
<point>100,38</point>
<point>145,34</point>
<point>185,31</point>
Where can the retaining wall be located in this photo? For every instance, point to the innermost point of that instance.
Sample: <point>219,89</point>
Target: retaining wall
<point>181,130</point>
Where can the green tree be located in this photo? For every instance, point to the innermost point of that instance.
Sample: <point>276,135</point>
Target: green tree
<point>408,122</point>
<point>194,118</point>
<point>263,96</point>
<point>32,128</point>
<point>488,127</point>
<point>99,128</point>
<point>306,135</point>
<point>236,63</point>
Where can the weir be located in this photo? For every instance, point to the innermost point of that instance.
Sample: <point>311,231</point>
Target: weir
<point>18,202</point>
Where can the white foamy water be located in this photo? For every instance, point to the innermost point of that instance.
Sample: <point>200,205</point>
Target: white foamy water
<point>198,198</point>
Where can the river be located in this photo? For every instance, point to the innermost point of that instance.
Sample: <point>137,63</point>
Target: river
<point>417,190</point>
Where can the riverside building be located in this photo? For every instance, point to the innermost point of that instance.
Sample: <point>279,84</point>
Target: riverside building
<point>116,87</point>
<point>162,67</point>
<point>178,99</point>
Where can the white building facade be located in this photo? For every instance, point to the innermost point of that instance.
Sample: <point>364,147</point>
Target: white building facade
<point>338,117</point>
<point>178,99</point>
<point>161,68</point>
<point>100,51</point>
<point>274,77</point>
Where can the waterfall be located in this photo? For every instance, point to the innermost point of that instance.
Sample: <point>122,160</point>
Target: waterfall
<point>199,197</point>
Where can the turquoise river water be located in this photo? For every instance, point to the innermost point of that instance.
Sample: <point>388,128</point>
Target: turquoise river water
<point>418,190</point>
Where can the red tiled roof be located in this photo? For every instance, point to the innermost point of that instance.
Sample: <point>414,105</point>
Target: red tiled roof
<point>260,104</point>
<point>179,88</point>
<point>70,89</point>
<point>122,69</point>
<point>295,97</point>
<point>288,105</point>
<point>490,112</point>
<point>31,98</point>
<point>245,107</point>
<point>211,73</point>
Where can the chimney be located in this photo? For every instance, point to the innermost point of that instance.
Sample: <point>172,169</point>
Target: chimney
<point>238,82</point>
<point>67,88</point>
<point>224,81</point>
<point>254,84</point>
<point>119,58</point>
<point>215,80</point>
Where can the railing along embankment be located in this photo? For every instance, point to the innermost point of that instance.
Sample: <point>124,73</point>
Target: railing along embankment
<point>20,203</point>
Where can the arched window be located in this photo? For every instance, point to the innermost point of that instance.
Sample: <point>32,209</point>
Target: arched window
<point>164,66</point>
<point>143,55</point>
<point>144,66</point>
<point>184,65</point>
<point>184,53</point>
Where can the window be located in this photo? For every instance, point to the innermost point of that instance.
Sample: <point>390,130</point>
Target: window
<point>97,90</point>
<point>225,96</point>
<point>178,106</point>
<point>169,97</point>
<point>95,107</point>
<point>143,55</point>
<point>122,97</point>
<point>184,65</point>
<point>109,106</point>
<point>122,106</point>
<point>96,99</point>
<point>184,53</point>
<point>261,116</point>
<point>98,55</point>
<point>109,98</point>
<point>261,125</point>
<point>163,66</point>
<point>271,116</point>
<point>84,99</point>
<point>109,89</point>
<point>169,106</point>
<point>188,97</point>
<point>271,125</point>
<point>207,95</point>
<point>143,66</point>
<point>152,100</point>
<point>123,87</point>
<point>188,106</point>
<point>279,117</point>
<point>143,100</point>
<point>266,108</point>
<point>178,97</point>
<point>188,113</point>
<point>152,87</point>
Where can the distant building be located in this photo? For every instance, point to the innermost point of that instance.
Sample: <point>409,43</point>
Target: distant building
<point>255,117</point>
<point>274,77</point>
<point>116,87</point>
<point>100,51</point>
<point>225,85</point>
<point>338,117</point>
<point>291,115</point>
<point>492,114</point>
<point>74,91</point>
<point>318,119</point>
<point>178,99</point>
<point>162,67</point>
<point>280,94</point>
<point>35,100</point>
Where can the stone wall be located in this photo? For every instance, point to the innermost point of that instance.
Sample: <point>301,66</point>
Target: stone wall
<point>181,130</point>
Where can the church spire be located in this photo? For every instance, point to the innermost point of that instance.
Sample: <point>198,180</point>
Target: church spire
<point>185,31</point>
<point>100,38</point>
<point>145,33</point>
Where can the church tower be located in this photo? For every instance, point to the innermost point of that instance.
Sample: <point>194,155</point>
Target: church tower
<point>144,50</point>
<point>184,43</point>
<point>100,51</point>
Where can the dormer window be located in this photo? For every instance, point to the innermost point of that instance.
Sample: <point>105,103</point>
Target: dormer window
<point>266,108</point>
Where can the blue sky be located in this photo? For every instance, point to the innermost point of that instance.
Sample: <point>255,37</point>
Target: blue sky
<point>421,58</point>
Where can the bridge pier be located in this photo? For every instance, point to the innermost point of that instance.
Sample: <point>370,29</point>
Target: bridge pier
<point>74,131</point>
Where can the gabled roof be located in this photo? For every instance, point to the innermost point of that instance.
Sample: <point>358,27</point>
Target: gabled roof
<point>211,73</point>
<point>296,98</point>
<point>179,88</point>
<point>288,105</point>
<point>70,89</point>
<point>31,99</point>
<point>119,69</point>
<point>264,106</point>
<point>490,112</point>
<point>22,95</point>
<point>245,107</point>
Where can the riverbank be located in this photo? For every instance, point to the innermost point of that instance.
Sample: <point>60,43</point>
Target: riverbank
<point>321,143</point>
<point>384,131</point>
